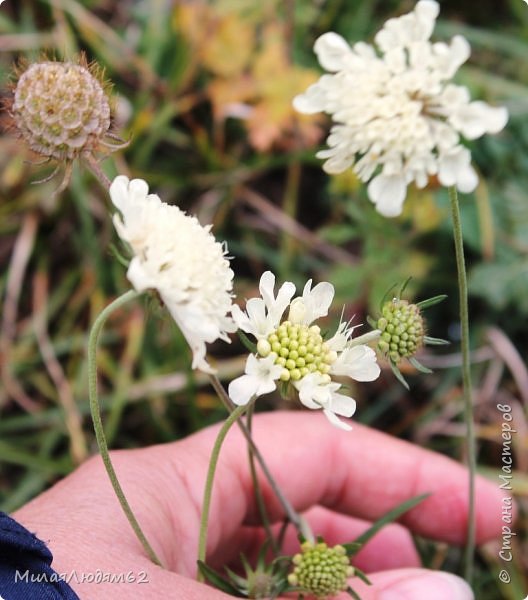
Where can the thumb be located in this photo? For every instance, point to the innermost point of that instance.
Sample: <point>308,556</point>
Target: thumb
<point>412,584</point>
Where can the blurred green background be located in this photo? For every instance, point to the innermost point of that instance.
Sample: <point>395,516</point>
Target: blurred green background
<point>203,91</point>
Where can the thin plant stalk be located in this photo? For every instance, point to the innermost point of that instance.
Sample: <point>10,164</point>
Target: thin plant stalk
<point>290,512</point>
<point>259,498</point>
<point>466,380</point>
<point>211,471</point>
<point>98,425</point>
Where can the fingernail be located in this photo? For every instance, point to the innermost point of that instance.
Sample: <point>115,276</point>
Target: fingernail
<point>430,585</point>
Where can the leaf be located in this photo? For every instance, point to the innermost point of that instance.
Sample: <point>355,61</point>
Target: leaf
<point>239,581</point>
<point>432,341</point>
<point>404,286</point>
<point>398,375</point>
<point>114,251</point>
<point>248,344</point>
<point>227,51</point>
<point>352,593</point>
<point>217,580</point>
<point>502,283</point>
<point>359,573</point>
<point>386,295</point>
<point>431,301</point>
<point>418,366</point>
<point>391,516</point>
<point>352,548</point>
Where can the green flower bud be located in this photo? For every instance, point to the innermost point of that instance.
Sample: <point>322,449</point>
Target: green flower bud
<point>402,328</point>
<point>320,570</point>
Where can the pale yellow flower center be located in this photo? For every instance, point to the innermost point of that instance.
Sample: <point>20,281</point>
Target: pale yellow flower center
<point>299,350</point>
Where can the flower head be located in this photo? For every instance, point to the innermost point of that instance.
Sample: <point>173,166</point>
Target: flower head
<point>321,570</point>
<point>62,111</point>
<point>402,330</point>
<point>293,351</point>
<point>398,118</point>
<point>179,258</point>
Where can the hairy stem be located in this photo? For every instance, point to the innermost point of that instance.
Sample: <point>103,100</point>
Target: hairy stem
<point>98,425</point>
<point>466,380</point>
<point>213,462</point>
<point>291,514</point>
<point>258,490</point>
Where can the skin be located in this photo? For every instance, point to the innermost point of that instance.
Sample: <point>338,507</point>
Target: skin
<point>340,480</point>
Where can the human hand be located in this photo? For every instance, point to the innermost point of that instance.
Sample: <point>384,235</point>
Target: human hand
<point>340,480</point>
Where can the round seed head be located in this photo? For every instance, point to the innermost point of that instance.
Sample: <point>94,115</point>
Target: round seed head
<point>61,109</point>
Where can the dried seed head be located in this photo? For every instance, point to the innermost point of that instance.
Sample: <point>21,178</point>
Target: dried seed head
<point>61,110</point>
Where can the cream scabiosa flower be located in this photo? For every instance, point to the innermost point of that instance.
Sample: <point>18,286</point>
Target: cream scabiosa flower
<point>294,352</point>
<point>179,258</point>
<point>398,118</point>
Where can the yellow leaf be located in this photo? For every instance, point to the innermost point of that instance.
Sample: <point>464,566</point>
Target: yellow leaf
<point>229,46</point>
<point>421,207</point>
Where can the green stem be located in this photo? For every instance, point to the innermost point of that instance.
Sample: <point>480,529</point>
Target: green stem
<point>466,380</point>
<point>366,338</point>
<point>213,462</point>
<point>290,512</point>
<point>98,425</point>
<point>258,489</point>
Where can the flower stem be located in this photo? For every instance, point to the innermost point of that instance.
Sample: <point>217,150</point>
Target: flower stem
<point>96,169</point>
<point>466,380</point>
<point>98,425</point>
<point>258,489</point>
<point>290,512</point>
<point>366,338</point>
<point>213,462</point>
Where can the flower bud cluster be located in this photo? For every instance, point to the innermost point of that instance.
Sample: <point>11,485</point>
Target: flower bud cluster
<point>321,570</point>
<point>402,329</point>
<point>299,350</point>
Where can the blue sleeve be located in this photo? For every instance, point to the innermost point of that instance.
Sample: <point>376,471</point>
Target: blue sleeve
<point>25,566</point>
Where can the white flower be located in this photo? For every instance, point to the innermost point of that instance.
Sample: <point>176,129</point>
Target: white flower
<point>398,118</point>
<point>264,314</point>
<point>294,352</point>
<point>259,379</point>
<point>179,258</point>
<point>315,393</point>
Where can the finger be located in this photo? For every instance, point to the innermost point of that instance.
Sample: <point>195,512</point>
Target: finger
<point>390,548</point>
<point>154,583</point>
<point>363,473</point>
<point>411,584</point>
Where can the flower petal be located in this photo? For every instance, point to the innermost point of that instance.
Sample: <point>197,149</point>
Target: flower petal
<point>332,51</point>
<point>258,380</point>
<point>242,389</point>
<point>388,194</point>
<point>336,421</point>
<point>313,303</point>
<point>342,405</point>
<point>177,256</point>
<point>358,362</point>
